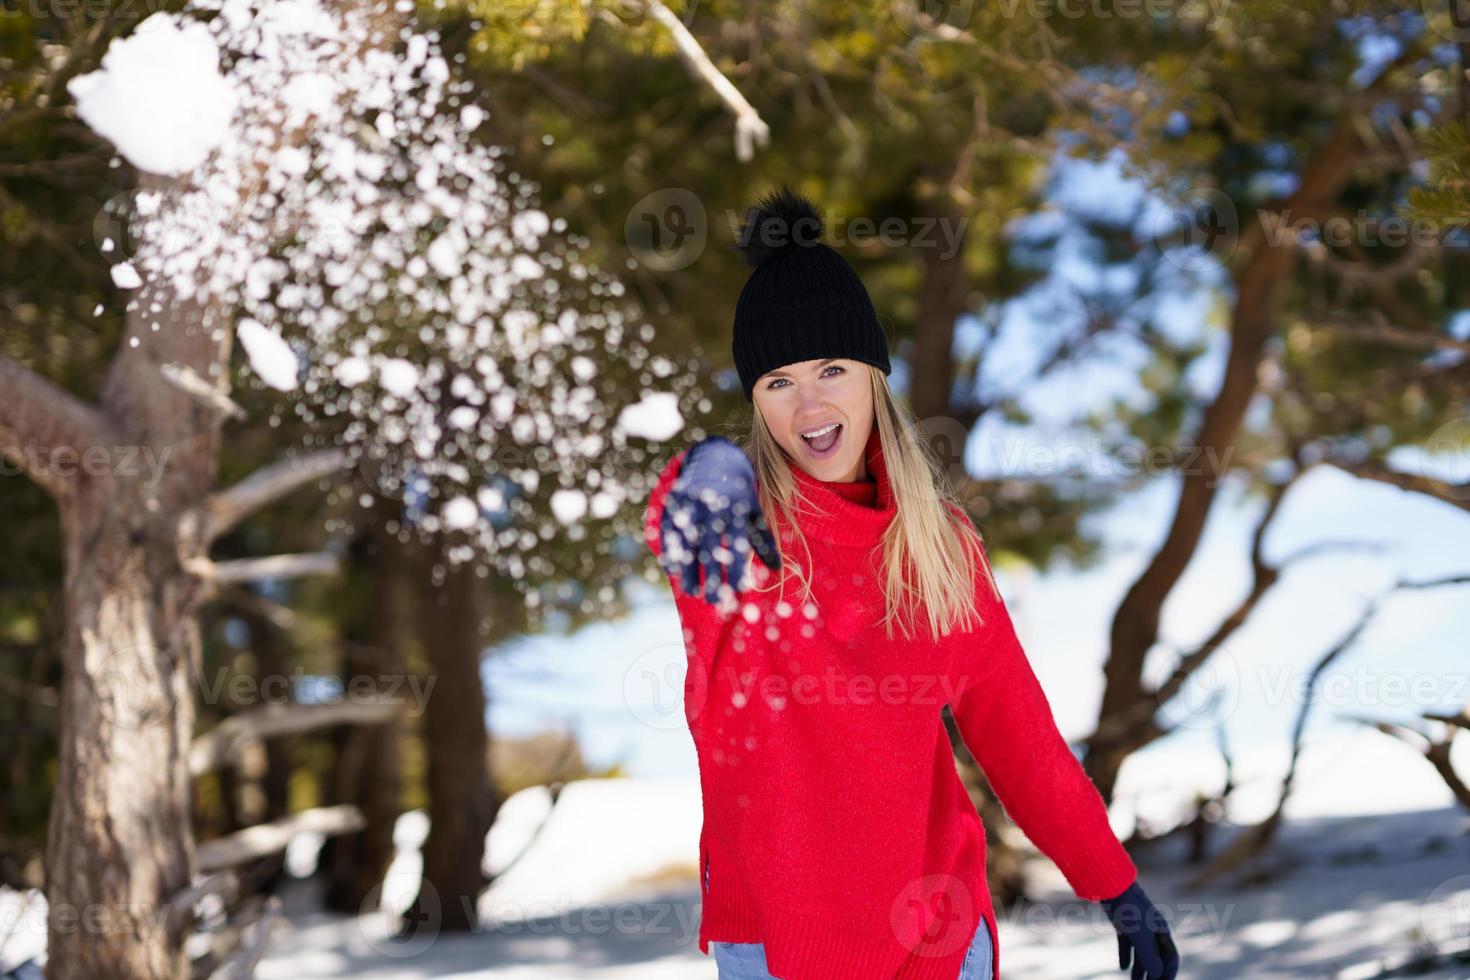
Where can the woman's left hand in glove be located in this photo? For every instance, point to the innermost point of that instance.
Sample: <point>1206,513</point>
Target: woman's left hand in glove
<point>1144,934</point>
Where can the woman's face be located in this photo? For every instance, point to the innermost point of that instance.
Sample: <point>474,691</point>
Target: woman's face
<point>807,397</point>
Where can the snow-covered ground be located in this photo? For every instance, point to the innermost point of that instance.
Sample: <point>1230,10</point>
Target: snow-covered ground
<point>603,885</point>
<point>607,889</point>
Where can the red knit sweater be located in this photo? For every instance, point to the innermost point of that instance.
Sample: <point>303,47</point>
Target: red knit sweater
<point>836,828</point>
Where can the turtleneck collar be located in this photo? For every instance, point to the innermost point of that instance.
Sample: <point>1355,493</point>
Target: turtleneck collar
<point>855,513</point>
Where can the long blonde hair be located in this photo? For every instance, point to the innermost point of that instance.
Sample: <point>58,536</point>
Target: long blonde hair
<point>930,553</point>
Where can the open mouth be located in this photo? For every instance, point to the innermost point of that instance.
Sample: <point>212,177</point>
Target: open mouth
<point>823,442</point>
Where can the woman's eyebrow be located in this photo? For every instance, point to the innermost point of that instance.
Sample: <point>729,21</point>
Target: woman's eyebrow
<point>783,374</point>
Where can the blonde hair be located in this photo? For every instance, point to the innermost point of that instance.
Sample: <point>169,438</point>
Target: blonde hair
<point>931,551</point>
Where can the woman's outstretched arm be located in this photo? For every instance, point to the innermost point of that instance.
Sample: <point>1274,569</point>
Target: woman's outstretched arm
<point>1007,723</point>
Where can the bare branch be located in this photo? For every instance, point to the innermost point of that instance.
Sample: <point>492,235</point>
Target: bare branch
<point>1379,330</point>
<point>1461,720</point>
<point>266,839</point>
<point>215,748</point>
<point>1434,583</point>
<point>225,884</point>
<point>1406,265</point>
<point>1456,494</point>
<point>265,486</point>
<point>244,964</point>
<point>45,429</point>
<point>1255,839</point>
<point>274,566</point>
<point>1135,725</point>
<point>1436,751</point>
<point>1402,732</point>
<point>280,616</point>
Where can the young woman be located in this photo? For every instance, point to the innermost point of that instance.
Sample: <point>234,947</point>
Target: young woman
<point>838,841</point>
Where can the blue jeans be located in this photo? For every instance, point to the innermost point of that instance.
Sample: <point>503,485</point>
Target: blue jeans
<point>747,961</point>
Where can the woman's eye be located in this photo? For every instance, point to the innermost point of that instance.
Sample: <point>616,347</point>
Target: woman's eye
<point>777,382</point>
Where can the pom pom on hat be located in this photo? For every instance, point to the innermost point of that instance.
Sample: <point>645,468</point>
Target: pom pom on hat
<point>778,223</point>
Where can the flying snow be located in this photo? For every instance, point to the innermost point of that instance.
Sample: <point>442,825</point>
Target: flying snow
<point>383,264</point>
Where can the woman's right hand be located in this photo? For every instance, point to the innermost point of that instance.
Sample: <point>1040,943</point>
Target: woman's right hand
<point>712,520</point>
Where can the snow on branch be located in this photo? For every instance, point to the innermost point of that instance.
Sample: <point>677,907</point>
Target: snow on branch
<point>750,128</point>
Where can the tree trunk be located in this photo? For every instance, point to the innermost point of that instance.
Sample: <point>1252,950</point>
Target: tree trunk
<point>942,299</point>
<point>119,842</point>
<point>462,800</point>
<point>370,770</point>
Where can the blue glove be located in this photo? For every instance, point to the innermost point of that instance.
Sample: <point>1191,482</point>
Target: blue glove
<point>715,520</point>
<point>1142,931</point>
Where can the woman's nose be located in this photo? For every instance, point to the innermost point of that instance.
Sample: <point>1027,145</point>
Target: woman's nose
<point>810,403</point>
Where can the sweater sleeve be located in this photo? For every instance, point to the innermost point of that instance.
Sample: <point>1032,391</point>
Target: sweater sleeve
<point>653,513</point>
<point>1007,723</point>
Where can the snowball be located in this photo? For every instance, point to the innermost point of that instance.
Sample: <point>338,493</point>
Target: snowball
<point>352,371</point>
<point>584,367</point>
<point>159,95</point>
<point>656,417</point>
<point>604,504</point>
<point>491,498</point>
<point>124,276</point>
<point>525,267</point>
<point>460,513</point>
<point>464,418</point>
<point>270,356</point>
<point>568,505</point>
<point>400,377</point>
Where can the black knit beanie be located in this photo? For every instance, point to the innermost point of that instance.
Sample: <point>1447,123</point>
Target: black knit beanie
<point>803,300</point>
